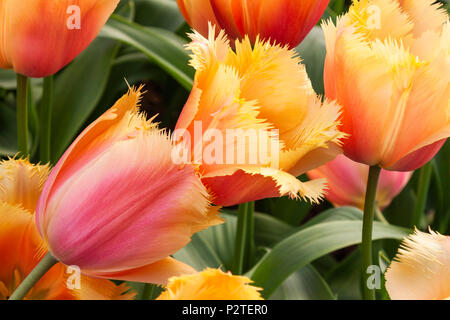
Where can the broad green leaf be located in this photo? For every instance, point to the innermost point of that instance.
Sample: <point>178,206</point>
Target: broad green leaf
<point>308,244</point>
<point>164,48</point>
<point>212,247</point>
<point>285,209</point>
<point>77,90</point>
<point>269,230</point>
<point>312,51</point>
<point>305,284</point>
<point>345,278</point>
<point>158,13</point>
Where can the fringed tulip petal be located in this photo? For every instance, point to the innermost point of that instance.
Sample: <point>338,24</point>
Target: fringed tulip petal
<point>387,65</point>
<point>265,183</point>
<point>21,182</point>
<point>269,125</point>
<point>39,37</point>
<point>21,246</point>
<point>210,284</point>
<point>421,270</point>
<point>118,197</point>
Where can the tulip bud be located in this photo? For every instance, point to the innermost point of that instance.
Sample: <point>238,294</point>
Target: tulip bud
<point>346,181</point>
<point>421,269</point>
<point>40,37</point>
<point>210,284</point>
<point>286,22</point>
<point>117,206</point>
<point>387,65</point>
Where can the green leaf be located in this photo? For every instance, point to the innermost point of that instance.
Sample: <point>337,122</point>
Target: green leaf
<point>312,51</point>
<point>212,247</point>
<point>163,47</point>
<point>305,284</point>
<point>308,244</point>
<point>158,13</point>
<point>77,90</point>
<point>345,278</point>
<point>269,230</point>
<point>285,209</point>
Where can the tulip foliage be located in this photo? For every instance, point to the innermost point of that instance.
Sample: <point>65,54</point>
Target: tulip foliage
<point>225,149</point>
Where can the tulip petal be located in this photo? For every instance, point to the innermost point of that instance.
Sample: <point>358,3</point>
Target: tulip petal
<point>388,78</point>
<point>421,269</point>
<point>36,39</point>
<point>21,182</point>
<point>142,195</point>
<point>210,284</point>
<point>158,272</point>
<point>294,19</point>
<point>118,122</point>
<point>254,183</point>
<point>198,13</point>
<point>426,14</point>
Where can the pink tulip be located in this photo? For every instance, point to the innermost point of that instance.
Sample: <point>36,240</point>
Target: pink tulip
<point>347,182</point>
<point>117,206</point>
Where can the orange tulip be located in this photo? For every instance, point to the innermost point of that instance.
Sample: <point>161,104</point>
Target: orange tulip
<point>39,37</point>
<point>255,122</point>
<point>347,181</point>
<point>117,206</point>
<point>387,65</point>
<point>287,22</point>
<point>21,247</point>
<point>210,284</point>
<point>421,270</point>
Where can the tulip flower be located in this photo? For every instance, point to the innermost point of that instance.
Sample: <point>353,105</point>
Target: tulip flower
<point>210,284</point>
<point>387,65</point>
<point>117,206</point>
<point>287,22</point>
<point>421,270</point>
<point>39,37</point>
<point>347,179</point>
<point>260,122</point>
<point>21,247</point>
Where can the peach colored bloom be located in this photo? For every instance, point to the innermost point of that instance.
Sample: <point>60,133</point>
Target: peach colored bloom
<point>347,179</point>
<point>287,22</point>
<point>21,247</point>
<point>388,66</point>
<point>256,90</point>
<point>117,206</point>
<point>40,37</point>
<point>421,270</point>
<point>210,284</point>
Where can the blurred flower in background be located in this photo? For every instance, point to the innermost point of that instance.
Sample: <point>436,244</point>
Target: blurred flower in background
<point>347,179</point>
<point>117,206</point>
<point>21,247</point>
<point>39,37</point>
<point>387,65</point>
<point>210,284</point>
<point>261,90</point>
<point>421,270</point>
<point>286,22</point>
